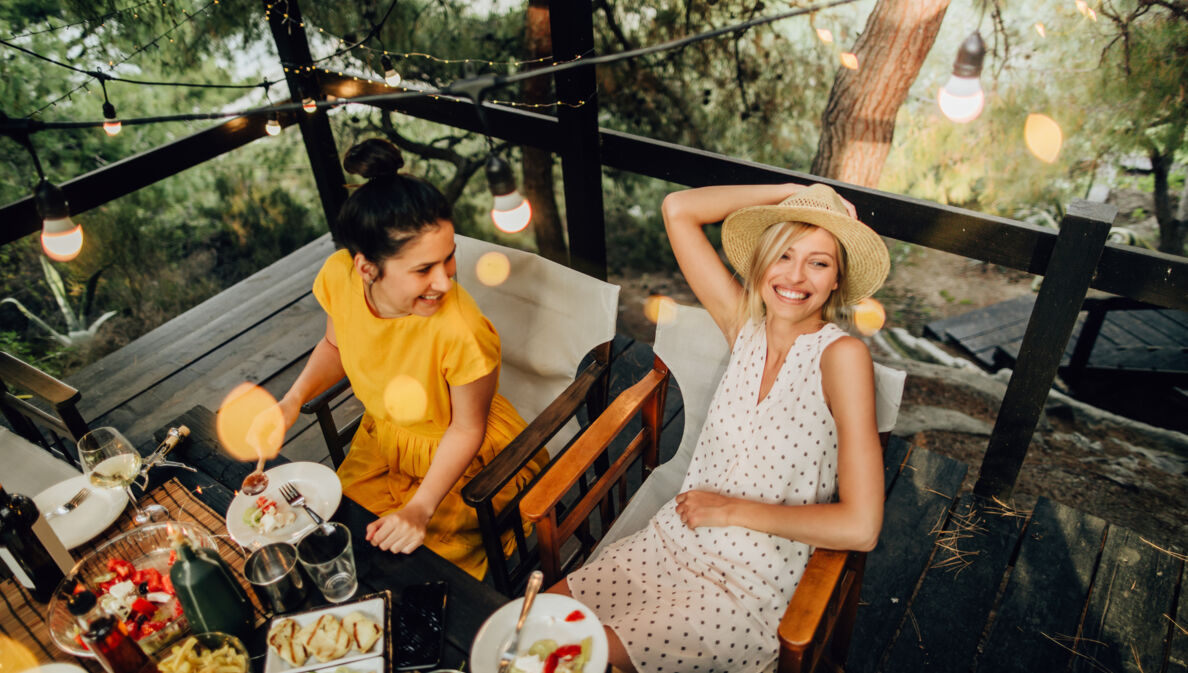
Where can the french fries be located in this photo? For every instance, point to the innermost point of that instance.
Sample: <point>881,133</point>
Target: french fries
<point>190,657</point>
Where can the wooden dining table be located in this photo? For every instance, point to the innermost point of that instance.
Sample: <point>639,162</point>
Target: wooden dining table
<point>469,602</point>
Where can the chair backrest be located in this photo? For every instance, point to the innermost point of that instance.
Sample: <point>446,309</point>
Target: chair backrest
<point>548,316</point>
<point>55,425</point>
<point>692,347</point>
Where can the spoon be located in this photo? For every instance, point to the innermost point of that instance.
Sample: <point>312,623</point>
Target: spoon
<point>257,481</point>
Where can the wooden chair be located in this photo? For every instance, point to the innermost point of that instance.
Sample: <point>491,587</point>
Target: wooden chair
<point>58,429</point>
<point>816,626</point>
<point>549,318</point>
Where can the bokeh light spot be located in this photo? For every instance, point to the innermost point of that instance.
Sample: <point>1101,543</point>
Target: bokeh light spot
<point>250,424</point>
<point>405,399</point>
<point>659,309</point>
<point>869,316</point>
<point>1043,137</point>
<point>1039,28</point>
<point>492,268</point>
<point>15,656</point>
<point>849,60</point>
<point>825,35</point>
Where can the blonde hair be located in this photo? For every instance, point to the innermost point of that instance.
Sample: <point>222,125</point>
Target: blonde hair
<point>771,245</point>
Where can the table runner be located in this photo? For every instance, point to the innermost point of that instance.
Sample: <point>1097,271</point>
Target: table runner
<point>22,620</point>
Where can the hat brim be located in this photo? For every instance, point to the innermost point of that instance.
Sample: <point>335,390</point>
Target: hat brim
<point>867,261</point>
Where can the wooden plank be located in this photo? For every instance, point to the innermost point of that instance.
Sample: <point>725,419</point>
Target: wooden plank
<point>1178,317</point>
<point>1040,611</point>
<point>919,502</point>
<point>252,356</point>
<point>1174,332</point>
<point>1072,265</point>
<point>958,591</point>
<point>113,380</point>
<point>1141,326</point>
<point>1125,628</point>
<point>983,320</point>
<point>1177,651</point>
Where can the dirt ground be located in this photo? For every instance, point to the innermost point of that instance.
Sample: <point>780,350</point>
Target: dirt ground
<point>1092,469</point>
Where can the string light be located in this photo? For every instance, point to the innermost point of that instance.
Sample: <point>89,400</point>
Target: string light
<point>961,98</point>
<point>390,75</point>
<point>273,126</point>
<point>309,105</point>
<point>510,211</point>
<point>61,238</point>
<point>111,125</point>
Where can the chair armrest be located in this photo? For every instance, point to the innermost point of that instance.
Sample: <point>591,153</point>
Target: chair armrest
<point>508,462</point>
<point>821,582</point>
<point>326,396</point>
<point>561,476</point>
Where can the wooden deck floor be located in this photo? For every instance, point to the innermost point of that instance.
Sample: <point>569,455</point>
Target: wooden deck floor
<point>954,585</point>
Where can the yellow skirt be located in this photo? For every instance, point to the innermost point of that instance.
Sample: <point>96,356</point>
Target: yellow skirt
<point>386,464</point>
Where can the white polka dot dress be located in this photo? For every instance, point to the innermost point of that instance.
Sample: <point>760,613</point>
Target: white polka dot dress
<point>711,599</point>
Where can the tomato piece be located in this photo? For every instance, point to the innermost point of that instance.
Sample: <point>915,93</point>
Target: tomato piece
<point>123,570</point>
<point>567,652</point>
<point>167,585</point>
<point>149,628</point>
<point>172,556</point>
<point>152,579</point>
<point>145,607</point>
<point>575,616</point>
<point>550,664</point>
<point>177,609</point>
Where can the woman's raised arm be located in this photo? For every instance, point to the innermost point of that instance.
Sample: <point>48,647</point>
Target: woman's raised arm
<point>685,215</point>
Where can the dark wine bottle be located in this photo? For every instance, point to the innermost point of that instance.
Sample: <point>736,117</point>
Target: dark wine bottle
<point>29,548</point>
<point>107,638</point>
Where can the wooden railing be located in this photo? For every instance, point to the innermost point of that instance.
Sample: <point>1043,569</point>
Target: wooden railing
<point>1072,260</point>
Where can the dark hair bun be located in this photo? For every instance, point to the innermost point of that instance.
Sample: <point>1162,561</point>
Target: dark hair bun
<point>372,158</point>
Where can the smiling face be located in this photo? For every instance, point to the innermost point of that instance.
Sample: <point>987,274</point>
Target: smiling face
<point>797,285</point>
<point>415,281</point>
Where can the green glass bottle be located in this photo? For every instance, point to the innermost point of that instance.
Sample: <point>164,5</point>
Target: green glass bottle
<point>210,596</point>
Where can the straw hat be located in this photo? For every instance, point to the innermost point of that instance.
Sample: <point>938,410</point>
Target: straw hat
<point>867,261</point>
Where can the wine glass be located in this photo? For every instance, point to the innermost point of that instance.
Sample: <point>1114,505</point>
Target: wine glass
<point>110,461</point>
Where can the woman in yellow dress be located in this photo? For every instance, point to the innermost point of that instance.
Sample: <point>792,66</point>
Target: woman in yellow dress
<point>420,356</point>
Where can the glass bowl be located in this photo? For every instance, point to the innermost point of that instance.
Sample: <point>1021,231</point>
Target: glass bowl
<point>147,546</point>
<point>206,642</point>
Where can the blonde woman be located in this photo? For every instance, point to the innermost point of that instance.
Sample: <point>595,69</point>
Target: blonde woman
<point>789,457</point>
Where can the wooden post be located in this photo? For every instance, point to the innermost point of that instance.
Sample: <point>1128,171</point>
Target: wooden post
<point>293,48</point>
<point>1070,269</point>
<point>572,26</point>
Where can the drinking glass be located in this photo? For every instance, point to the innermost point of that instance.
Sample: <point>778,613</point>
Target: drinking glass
<point>110,461</point>
<point>330,561</point>
<point>275,576</point>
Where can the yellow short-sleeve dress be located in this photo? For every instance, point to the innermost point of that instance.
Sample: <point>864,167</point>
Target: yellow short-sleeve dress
<point>417,358</point>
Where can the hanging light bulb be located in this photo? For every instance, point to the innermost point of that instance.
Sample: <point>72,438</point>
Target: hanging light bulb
<point>390,75</point>
<point>111,125</point>
<point>961,98</point>
<point>61,238</point>
<point>273,126</point>
<point>309,105</point>
<point>510,212</point>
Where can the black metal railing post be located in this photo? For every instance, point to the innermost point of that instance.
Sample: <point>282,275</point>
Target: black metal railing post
<point>1070,270</point>
<point>293,48</point>
<point>572,26</point>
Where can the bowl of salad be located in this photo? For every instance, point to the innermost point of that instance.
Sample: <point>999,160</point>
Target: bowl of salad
<point>130,576</point>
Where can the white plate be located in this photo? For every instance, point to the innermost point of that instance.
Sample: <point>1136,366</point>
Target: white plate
<point>318,483</point>
<point>372,665</point>
<point>89,519</point>
<point>56,667</point>
<point>546,619</point>
<point>372,608</point>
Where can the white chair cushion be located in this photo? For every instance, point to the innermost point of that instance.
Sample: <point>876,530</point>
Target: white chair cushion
<point>28,468</point>
<point>548,316</point>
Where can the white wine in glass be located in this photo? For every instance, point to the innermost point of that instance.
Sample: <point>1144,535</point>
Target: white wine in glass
<point>110,461</point>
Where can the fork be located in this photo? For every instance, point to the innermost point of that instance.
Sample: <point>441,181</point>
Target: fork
<point>295,499</point>
<point>507,653</point>
<point>69,505</point>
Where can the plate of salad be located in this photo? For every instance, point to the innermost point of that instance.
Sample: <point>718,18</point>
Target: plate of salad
<point>130,577</point>
<point>262,519</point>
<point>561,635</point>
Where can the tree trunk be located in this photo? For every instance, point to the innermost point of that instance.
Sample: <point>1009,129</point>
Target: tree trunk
<point>537,164</point>
<point>1173,228</point>
<point>859,119</point>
